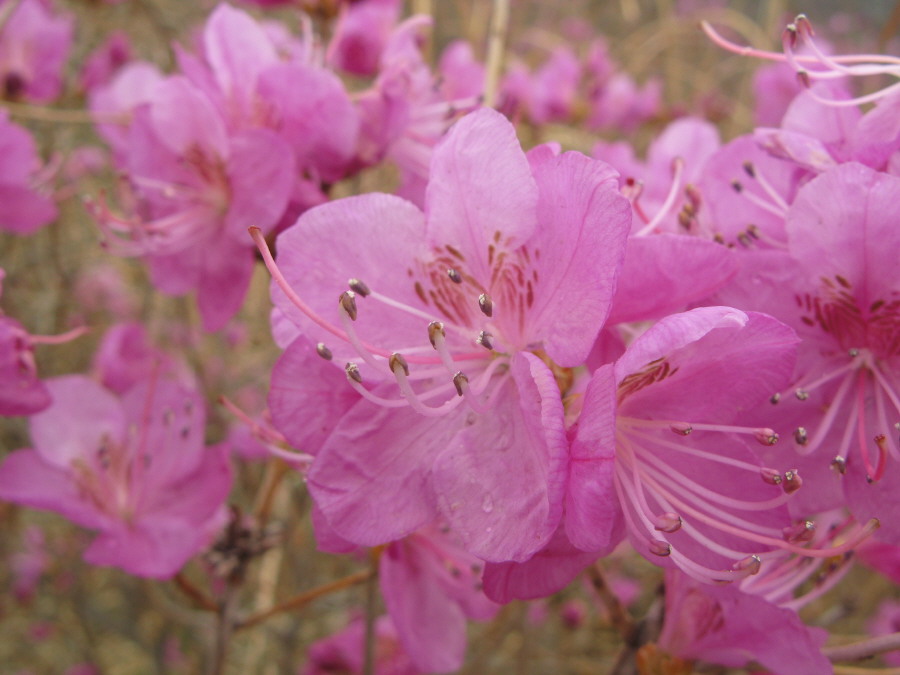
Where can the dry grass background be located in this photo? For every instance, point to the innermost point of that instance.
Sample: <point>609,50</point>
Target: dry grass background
<point>126,626</point>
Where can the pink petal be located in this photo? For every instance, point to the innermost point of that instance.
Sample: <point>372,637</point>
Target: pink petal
<point>261,174</point>
<point>313,112</point>
<point>371,479</point>
<point>550,570</point>
<point>844,224</point>
<point>593,520</point>
<point>73,428</point>
<point>584,221</point>
<point>184,118</point>
<point>227,268</point>
<point>27,479</point>
<point>237,49</point>
<point>308,396</point>
<point>431,628</point>
<point>689,268</point>
<point>727,361</point>
<point>480,185</point>
<point>376,238</point>
<point>499,483</point>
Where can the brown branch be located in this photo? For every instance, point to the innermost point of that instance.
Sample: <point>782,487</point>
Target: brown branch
<point>201,600</point>
<point>65,116</point>
<point>863,649</point>
<point>305,598</point>
<point>495,49</point>
<point>619,616</point>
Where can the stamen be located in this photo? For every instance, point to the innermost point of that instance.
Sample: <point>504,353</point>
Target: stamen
<point>800,436</point>
<point>435,332</point>
<point>323,351</point>
<point>800,533</point>
<point>839,464</point>
<point>486,305</point>
<point>348,304</point>
<point>455,276</point>
<point>792,481</point>
<point>459,380</point>
<point>677,171</point>
<point>660,548</point>
<point>353,373</point>
<point>668,522</point>
<point>397,361</point>
<point>484,339</point>
<point>359,287</point>
<point>771,476</point>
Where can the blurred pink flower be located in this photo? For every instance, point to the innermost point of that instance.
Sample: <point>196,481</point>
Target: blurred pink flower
<point>23,207</point>
<point>34,46</point>
<point>135,469</point>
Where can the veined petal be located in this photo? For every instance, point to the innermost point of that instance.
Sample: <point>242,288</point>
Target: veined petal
<point>500,482</point>
<point>844,224</point>
<point>689,268</point>
<point>717,361</point>
<point>371,479</point>
<point>480,185</point>
<point>82,414</point>
<point>593,520</point>
<point>578,250</point>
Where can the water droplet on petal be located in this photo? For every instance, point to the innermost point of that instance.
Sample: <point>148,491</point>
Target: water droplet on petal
<point>487,504</point>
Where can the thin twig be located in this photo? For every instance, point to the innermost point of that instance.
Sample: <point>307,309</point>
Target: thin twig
<point>305,598</point>
<point>371,597</point>
<point>495,50</point>
<point>621,619</point>
<point>201,600</point>
<point>856,670</point>
<point>64,116</point>
<point>275,471</point>
<point>863,649</point>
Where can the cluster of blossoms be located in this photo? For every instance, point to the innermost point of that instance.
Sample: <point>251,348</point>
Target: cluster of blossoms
<point>511,366</point>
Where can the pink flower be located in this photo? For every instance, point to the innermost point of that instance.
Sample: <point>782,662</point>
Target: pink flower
<point>431,586</point>
<point>34,46</point>
<point>343,652</point>
<point>198,187</point>
<point>469,299</point>
<point>360,35</point>
<point>404,114</point>
<point>105,60</point>
<point>722,625</point>
<point>655,440</point>
<point>23,207</point>
<point>136,470</point>
<point>838,285</point>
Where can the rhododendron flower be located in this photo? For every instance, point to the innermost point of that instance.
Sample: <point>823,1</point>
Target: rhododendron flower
<point>21,391</point>
<point>646,443</point>
<point>430,588</point>
<point>725,626</point>
<point>449,322</point>
<point>199,187</point>
<point>838,285</point>
<point>404,114</point>
<point>34,46</point>
<point>360,35</point>
<point>23,209</point>
<point>136,470</point>
<point>344,651</point>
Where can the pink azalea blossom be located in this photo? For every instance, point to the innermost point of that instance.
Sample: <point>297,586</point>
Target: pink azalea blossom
<point>431,586</point>
<point>34,46</point>
<point>361,34</point>
<point>136,470</point>
<point>721,624</point>
<point>23,207</point>
<point>464,299</point>
<point>837,284</point>
<point>404,114</point>
<point>655,445</point>
<point>343,652</point>
<point>197,189</point>
<point>105,60</point>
